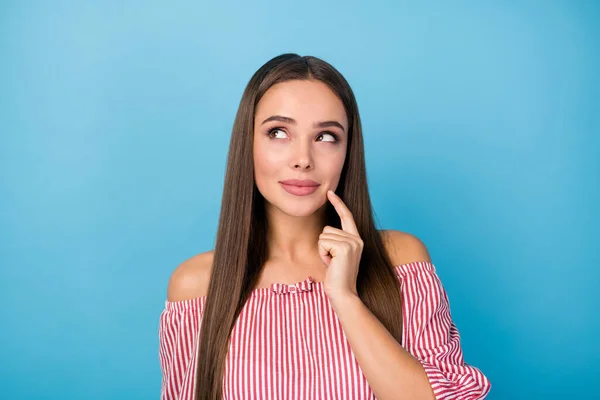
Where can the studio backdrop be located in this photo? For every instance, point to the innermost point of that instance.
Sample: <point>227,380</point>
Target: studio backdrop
<point>481,125</point>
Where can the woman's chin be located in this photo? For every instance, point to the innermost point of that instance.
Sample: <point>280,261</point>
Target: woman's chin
<point>298,210</point>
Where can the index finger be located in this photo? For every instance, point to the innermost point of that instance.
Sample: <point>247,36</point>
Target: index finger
<point>348,224</point>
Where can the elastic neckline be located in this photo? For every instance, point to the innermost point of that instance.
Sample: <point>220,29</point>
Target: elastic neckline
<point>269,290</point>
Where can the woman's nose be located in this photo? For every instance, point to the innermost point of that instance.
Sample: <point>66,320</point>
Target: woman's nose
<point>302,158</point>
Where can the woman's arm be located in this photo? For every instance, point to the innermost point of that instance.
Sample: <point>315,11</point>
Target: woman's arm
<point>391,371</point>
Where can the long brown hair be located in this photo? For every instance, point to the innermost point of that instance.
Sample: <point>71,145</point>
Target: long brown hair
<point>240,249</point>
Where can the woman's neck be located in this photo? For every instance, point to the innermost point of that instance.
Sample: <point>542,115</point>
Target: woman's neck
<point>293,239</point>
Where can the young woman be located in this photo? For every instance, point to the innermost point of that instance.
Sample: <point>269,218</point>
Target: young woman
<point>302,297</point>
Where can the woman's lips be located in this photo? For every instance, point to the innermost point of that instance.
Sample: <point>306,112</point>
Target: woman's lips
<point>299,190</point>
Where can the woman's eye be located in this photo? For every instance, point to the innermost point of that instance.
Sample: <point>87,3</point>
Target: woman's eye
<point>274,130</point>
<point>333,138</point>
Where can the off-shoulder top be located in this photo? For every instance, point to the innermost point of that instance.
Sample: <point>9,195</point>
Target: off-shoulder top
<point>287,343</point>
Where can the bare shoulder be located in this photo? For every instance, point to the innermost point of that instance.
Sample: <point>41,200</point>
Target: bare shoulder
<point>404,248</point>
<point>190,279</point>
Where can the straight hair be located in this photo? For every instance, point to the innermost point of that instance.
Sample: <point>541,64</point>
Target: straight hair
<point>241,248</point>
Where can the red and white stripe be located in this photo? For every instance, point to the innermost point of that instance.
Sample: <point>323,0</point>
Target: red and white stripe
<point>288,344</point>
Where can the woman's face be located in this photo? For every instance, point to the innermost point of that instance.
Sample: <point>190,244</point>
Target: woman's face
<point>300,132</point>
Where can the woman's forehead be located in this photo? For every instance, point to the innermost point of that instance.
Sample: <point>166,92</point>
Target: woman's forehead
<point>304,101</point>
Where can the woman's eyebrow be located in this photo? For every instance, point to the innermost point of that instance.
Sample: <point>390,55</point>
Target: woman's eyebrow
<point>322,124</point>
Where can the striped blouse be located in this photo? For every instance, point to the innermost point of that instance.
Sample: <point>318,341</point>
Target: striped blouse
<point>287,343</point>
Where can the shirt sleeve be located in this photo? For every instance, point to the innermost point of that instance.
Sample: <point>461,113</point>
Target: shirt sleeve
<point>178,330</point>
<point>431,336</point>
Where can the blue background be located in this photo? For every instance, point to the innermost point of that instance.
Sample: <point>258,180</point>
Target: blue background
<point>481,123</point>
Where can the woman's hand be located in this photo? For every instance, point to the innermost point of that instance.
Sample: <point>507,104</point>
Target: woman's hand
<point>340,250</point>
